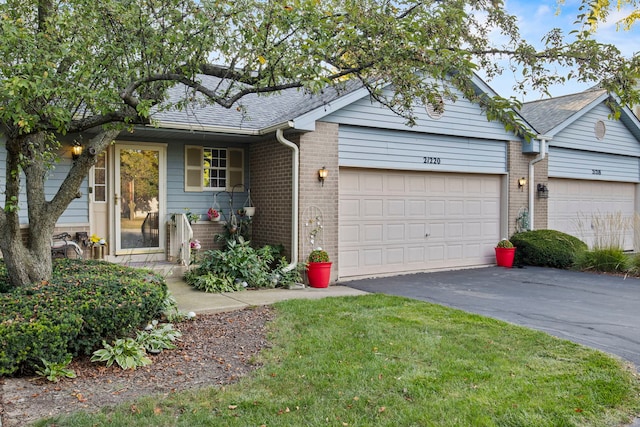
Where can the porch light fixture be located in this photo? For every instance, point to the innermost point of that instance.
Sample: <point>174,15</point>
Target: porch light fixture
<point>543,191</point>
<point>322,175</point>
<point>522,182</point>
<point>76,150</point>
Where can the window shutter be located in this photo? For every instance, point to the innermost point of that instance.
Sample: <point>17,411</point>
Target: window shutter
<point>193,175</point>
<point>235,167</point>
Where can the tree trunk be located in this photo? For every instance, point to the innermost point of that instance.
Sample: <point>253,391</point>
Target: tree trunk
<point>30,261</point>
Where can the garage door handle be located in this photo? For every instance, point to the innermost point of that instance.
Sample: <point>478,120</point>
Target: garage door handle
<point>427,235</point>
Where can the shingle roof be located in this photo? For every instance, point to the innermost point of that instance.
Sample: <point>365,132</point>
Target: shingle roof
<point>252,111</point>
<point>546,114</point>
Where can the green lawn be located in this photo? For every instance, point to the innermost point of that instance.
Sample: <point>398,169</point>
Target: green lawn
<point>386,361</point>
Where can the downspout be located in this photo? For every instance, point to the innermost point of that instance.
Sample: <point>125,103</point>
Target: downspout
<point>540,157</point>
<point>295,175</point>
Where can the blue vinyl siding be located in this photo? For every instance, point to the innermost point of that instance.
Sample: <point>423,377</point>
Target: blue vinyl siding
<point>565,163</point>
<point>580,135</point>
<point>389,149</point>
<point>460,118</point>
<point>78,211</point>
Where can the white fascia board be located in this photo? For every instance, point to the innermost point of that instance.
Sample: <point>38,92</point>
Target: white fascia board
<point>194,127</point>
<point>307,121</point>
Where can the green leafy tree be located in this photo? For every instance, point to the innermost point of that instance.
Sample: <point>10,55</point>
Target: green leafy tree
<point>80,67</point>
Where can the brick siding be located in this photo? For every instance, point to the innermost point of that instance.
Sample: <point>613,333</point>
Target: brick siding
<point>518,166</point>
<point>318,149</point>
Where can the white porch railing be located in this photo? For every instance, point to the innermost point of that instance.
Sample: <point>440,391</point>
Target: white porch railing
<point>184,234</point>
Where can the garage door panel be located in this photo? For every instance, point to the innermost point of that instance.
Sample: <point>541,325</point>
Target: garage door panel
<point>394,208</point>
<point>372,257</point>
<point>350,208</point>
<point>372,208</point>
<point>395,256</point>
<point>417,208</point>
<point>412,221</point>
<point>455,230</point>
<point>416,254</point>
<point>573,203</point>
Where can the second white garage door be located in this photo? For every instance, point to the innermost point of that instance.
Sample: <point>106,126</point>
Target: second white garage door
<point>394,222</point>
<point>575,204</point>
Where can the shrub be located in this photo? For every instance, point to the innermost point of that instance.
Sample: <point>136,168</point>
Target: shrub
<point>547,248</point>
<point>606,260</point>
<point>85,303</point>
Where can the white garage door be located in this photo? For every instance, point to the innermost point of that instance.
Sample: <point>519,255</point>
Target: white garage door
<point>577,207</point>
<point>399,222</point>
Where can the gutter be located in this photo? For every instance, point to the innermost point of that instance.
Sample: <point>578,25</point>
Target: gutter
<point>295,181</point>
<point>543,153</point>
<point>220,129</point>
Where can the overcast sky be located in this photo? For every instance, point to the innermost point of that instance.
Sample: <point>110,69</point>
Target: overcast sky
<point>537,17</point>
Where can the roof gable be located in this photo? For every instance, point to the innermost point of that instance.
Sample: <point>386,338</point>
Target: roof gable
<point>551,116</point>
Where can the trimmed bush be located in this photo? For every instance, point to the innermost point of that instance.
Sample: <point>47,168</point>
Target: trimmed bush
<point>547,248</point>
<point>605,260</point>
<point>85,303</point>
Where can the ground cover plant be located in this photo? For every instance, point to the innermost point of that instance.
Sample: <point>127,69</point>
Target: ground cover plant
<point>389,361</point>
<point>84,303</point>
<point>239,265</point>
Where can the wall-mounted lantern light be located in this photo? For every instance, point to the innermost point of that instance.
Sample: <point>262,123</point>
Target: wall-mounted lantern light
<point>522,182</point>
<point>322,175</point>
<point>543,191</point>
<point>76,150</point>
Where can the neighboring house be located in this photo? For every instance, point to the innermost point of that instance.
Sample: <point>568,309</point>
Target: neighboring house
<point>397,199</point>
<point>593,162</point>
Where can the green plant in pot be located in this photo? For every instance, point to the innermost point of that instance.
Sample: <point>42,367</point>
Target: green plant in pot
<point>504,243</point>
<point>318,268</point>
<point>505,252</point>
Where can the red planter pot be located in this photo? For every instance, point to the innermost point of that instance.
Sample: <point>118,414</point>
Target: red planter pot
<point>319,274</point>
<point>504,257</point>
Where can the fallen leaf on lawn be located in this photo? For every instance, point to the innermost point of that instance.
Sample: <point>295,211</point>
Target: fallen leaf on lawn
<point>232,406</point>
<point>80,397</point>
<point>382,409</point>
<point>157,410</point>
<point>356,398</point>
<point>134,409</point>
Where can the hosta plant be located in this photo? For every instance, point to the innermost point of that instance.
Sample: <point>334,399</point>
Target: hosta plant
<point>126,352</point>
<point>54,371</point>
<point>158,338</point>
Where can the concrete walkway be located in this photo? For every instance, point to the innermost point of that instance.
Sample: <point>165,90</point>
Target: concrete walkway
<point>190,299</point>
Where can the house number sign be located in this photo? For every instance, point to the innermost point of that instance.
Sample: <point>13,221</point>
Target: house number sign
<point>596,171</point>
<point>431,160</point>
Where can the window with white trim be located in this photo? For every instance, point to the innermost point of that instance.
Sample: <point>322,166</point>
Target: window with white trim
<point>212,169</point>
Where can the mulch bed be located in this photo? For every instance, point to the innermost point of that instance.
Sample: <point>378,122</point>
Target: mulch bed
<point>215,349</point>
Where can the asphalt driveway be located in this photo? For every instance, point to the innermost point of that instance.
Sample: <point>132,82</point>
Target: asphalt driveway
<point>599,311</point>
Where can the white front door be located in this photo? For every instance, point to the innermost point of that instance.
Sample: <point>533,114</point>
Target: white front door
<point>139,199</point>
